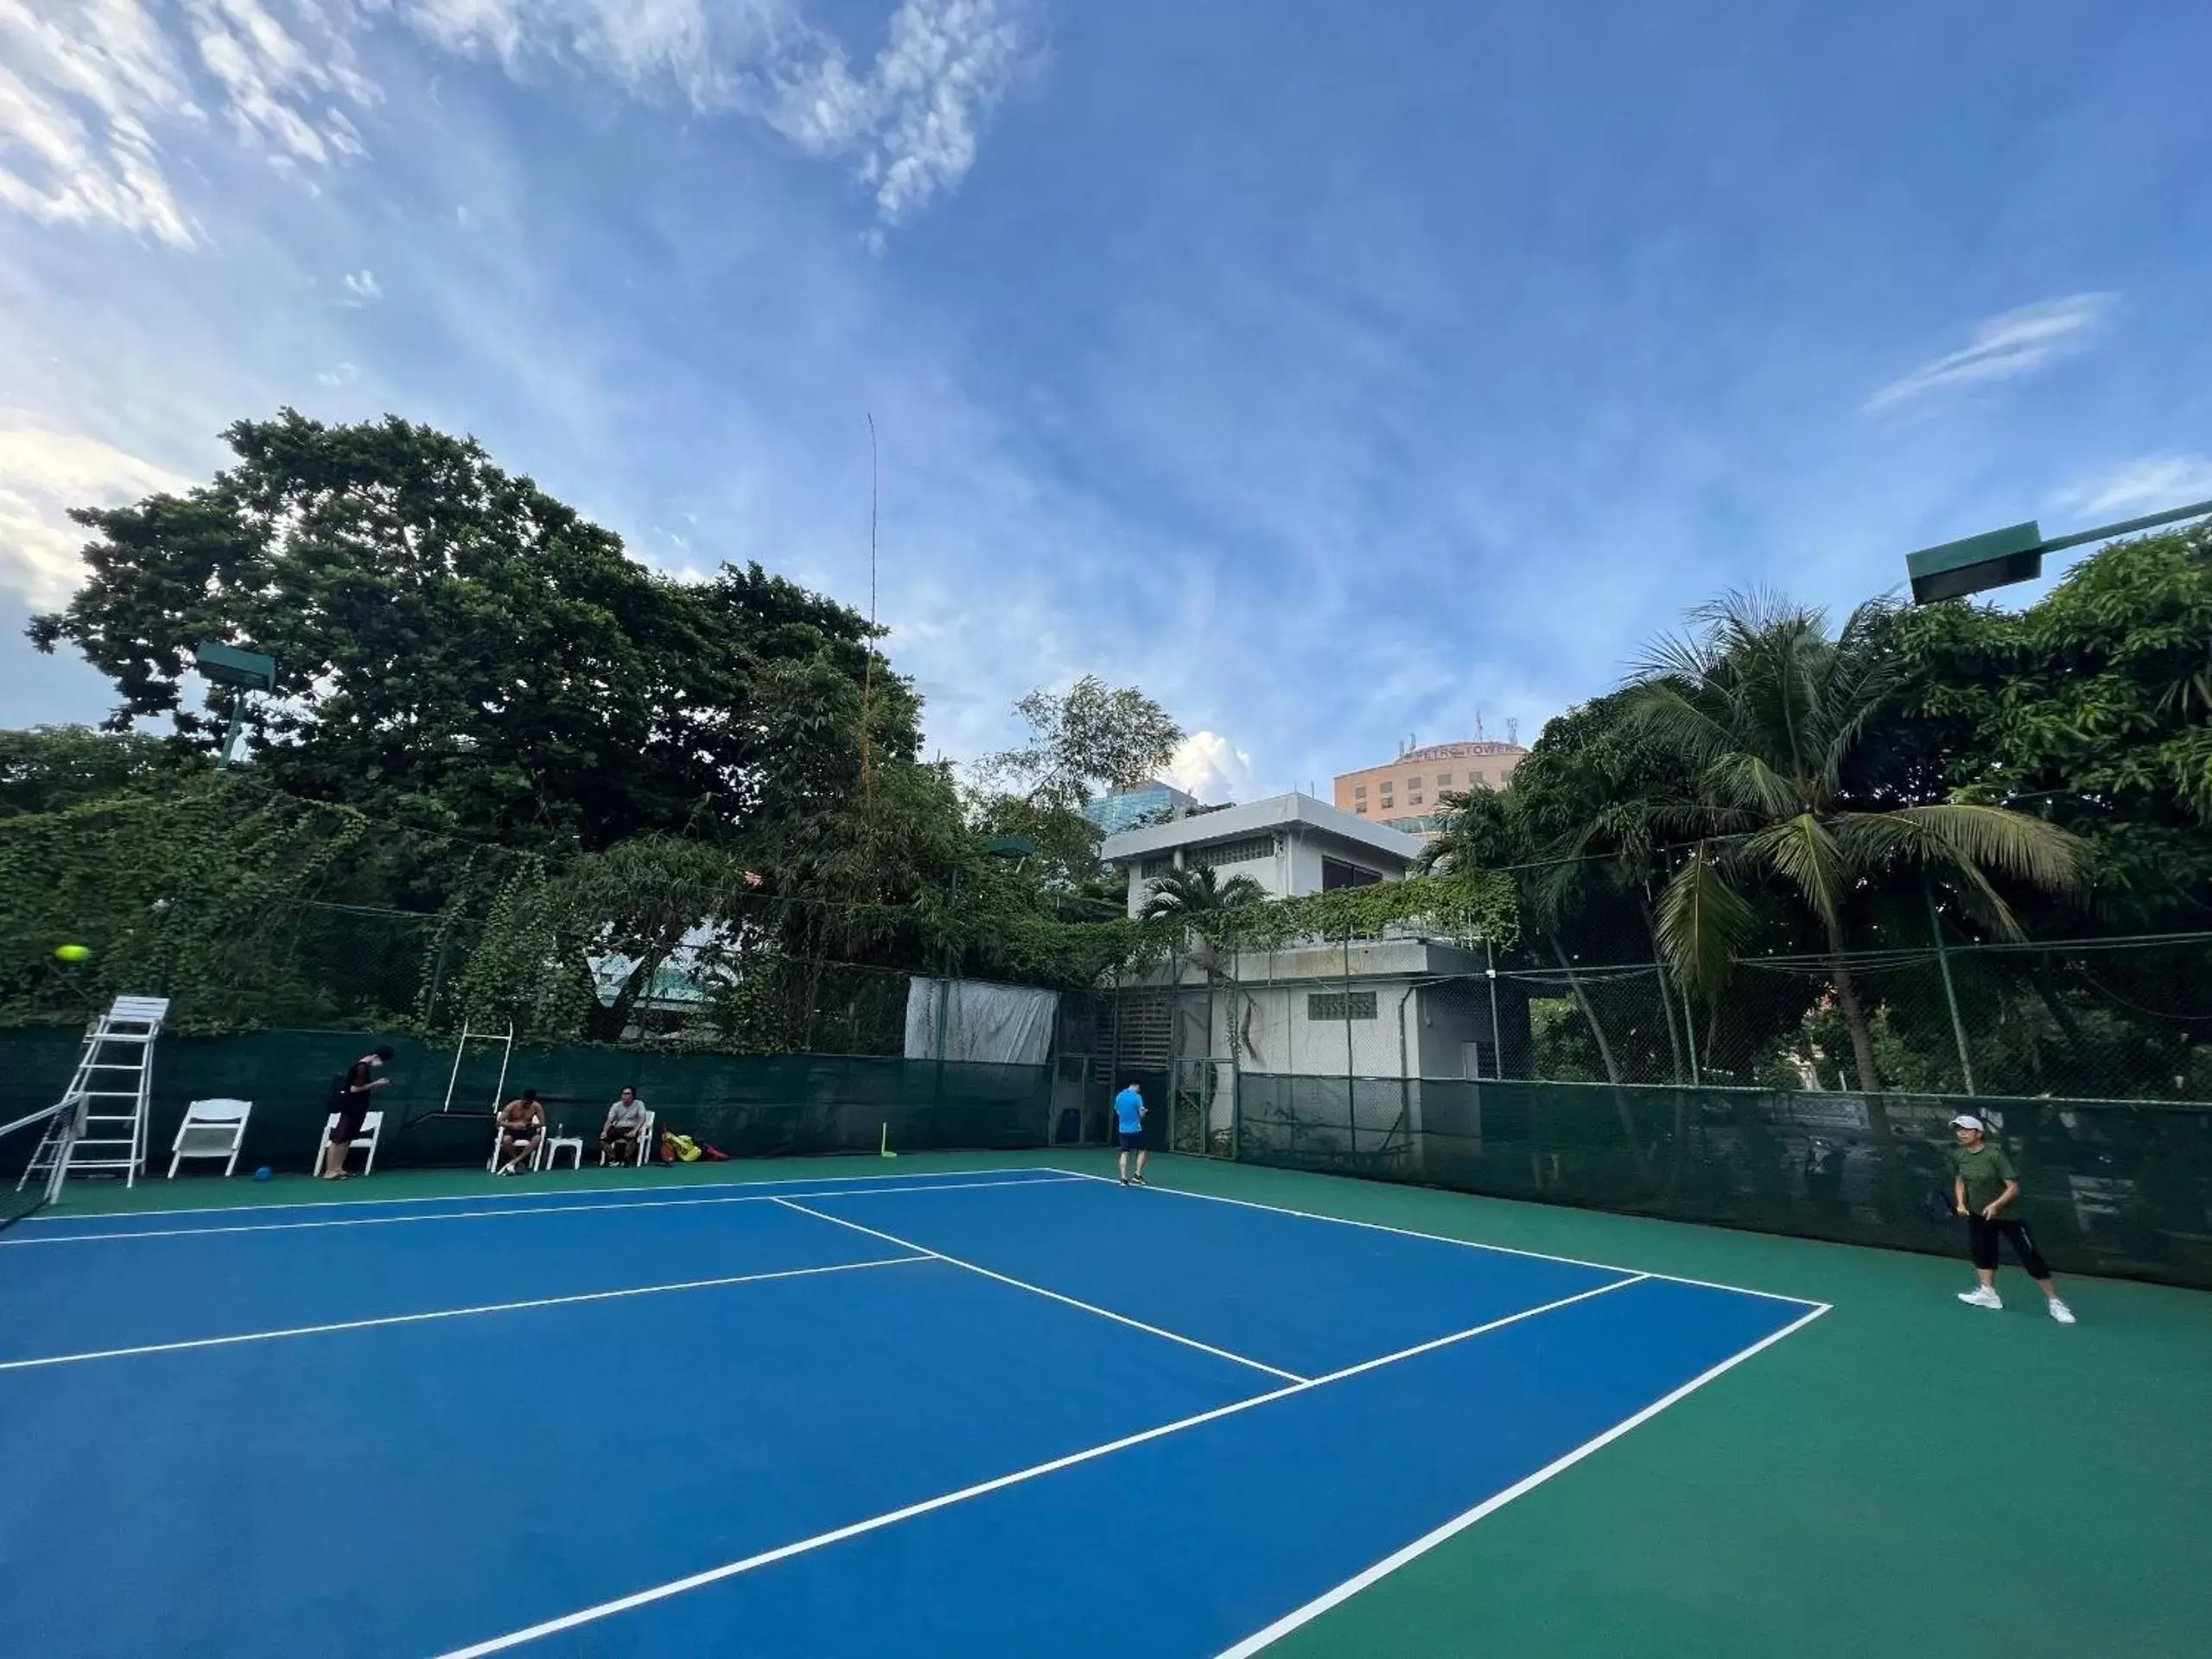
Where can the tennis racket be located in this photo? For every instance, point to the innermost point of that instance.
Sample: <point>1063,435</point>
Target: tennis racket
<point>1939,1206</point>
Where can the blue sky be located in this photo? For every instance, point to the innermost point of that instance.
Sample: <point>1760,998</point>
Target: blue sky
<point>1335,371</point>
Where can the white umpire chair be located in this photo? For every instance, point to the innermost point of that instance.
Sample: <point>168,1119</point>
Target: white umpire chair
<point>212,1129</point>
<point>371,1131</point>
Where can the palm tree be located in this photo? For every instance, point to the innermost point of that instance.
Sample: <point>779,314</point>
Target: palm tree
<point>1197,901</point>
<point>1768,715</point>
<point>1198,896</point>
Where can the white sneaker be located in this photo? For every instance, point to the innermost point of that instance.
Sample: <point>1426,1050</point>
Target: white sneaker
<point>1982,1297</point>
<point>2063,1313</point>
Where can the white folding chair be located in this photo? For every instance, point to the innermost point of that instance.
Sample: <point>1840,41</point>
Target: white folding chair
<point>212,1129</point>
<point>536,1155</point>
<point>644,1142</point>
<point>371,1131</point>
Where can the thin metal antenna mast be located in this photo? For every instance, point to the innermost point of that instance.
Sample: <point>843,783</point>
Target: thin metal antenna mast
<point>868,677</point>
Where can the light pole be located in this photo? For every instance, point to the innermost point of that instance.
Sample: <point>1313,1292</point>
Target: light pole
<point>1997,558</point>
<point>243,672</point>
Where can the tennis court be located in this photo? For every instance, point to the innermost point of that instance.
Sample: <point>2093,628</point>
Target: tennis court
<point>931,1414</point>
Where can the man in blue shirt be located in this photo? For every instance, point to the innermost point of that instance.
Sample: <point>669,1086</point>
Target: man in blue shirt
<point>1128,1111</point>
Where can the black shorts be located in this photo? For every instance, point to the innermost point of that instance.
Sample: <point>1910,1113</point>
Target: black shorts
<point>1132,1140</point>
<point>1982,1243</point>
<point>348,1129</point>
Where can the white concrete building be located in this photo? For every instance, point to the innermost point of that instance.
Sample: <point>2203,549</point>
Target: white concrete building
<point>1291,845</point>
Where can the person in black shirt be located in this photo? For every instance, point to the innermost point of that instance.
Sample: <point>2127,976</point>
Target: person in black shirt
<point>361,1081</point>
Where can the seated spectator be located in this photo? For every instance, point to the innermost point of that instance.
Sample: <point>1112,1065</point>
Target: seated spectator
<point>522,1130</point>
<point>618,1136</point>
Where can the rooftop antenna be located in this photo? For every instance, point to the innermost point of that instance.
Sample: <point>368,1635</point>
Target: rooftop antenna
<point>1478,726</point>
<point>1513,730</point>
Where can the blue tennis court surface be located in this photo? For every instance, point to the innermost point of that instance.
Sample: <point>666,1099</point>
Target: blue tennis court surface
<point>1013,1413</point>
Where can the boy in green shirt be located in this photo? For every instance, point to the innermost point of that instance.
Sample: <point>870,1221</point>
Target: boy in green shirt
<point>1983,1181</point>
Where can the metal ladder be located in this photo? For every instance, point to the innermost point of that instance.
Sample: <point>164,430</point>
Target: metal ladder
<point>505,1041</point>
<point>101,1135</point>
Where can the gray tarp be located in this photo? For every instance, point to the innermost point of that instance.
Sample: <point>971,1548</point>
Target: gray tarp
<point>1000,1025</point>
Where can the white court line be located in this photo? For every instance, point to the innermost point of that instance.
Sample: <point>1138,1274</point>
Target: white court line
<point>876,1523</point>
<point>1389,1564</point>
<point>1050,1296</point>
<point>53,1218</point>
<point>1464,1243</point>
<point>449,1313</point>
<point>1053,1179</point>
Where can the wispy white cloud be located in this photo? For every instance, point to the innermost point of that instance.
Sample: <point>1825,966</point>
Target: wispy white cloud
<point>79,88</point>
<point>90,90</point>
<point>2149,482</point>
<point>343,375</point>
<point>363,284</point>
<point>916,118</point>
<point>42,474</point>
<point>2003,347</point>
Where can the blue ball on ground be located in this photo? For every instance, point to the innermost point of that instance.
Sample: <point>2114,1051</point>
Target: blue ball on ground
<point>263,1173</point>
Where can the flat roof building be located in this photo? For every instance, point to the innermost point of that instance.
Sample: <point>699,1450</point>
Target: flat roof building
<point>1291,845</point>
<point>1404,794</point>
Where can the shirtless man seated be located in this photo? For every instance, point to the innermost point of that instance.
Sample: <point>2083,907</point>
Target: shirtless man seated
<point>522,1130</point>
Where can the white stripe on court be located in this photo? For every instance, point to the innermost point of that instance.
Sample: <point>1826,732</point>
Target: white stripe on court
<point>449,1313</point>
<point>62,1219</point>
<point>876,1523</point>
<point>1465,1243</point>
<point>1053,1179</point>
<point>1050,1296</point>
<point>1389,1564</point>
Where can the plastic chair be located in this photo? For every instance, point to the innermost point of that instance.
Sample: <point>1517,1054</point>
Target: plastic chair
<point>644,1141</point>
<point>220,1126</point>
<point>371,1132</point>
<point>536,1154</point>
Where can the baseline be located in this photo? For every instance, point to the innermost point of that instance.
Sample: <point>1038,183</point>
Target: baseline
<point>555,1209</point>
<point>523,1196</point>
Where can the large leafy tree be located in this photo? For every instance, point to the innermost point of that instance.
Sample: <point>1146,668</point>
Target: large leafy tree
<point>459,648</point>
<point>2091,707</point>
<point>1088,739</point>
<point>1772,717</point>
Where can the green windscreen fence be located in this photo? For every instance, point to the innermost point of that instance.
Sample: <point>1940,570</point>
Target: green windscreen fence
<point>759,1106</point>
<point>2110,1187</point>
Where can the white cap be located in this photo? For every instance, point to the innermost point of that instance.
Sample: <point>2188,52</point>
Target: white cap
<point>1967,1121</point>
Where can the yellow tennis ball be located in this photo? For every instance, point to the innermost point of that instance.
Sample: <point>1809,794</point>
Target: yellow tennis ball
<point>74,953</point>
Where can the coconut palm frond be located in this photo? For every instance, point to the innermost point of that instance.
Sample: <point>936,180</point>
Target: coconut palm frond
<point>1802,852</point>
<point>1703,922</point>
<point>1957,834</point>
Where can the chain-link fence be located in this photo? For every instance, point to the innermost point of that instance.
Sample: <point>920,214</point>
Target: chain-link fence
<point>2110,1187</point>
<point>2099,1019</point>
